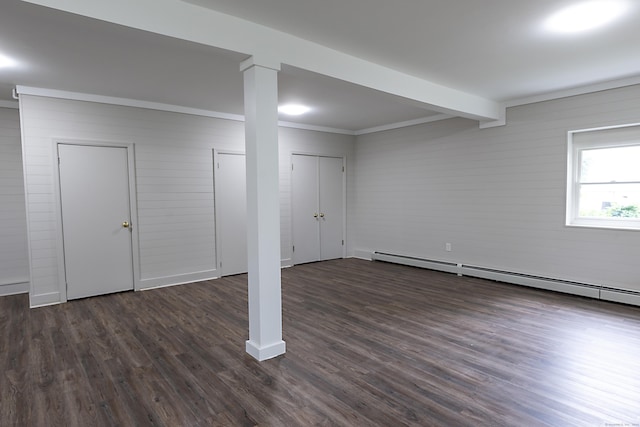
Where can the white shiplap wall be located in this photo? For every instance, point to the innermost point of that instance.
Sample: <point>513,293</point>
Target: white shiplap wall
<point>174,182</point>
<point>497,195</point>
<point>14,266</point>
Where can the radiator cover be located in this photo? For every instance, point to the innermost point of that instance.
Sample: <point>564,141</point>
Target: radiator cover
<point>595,291</point>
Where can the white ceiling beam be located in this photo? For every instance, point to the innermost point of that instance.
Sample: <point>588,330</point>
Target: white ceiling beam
<point>176,18</point>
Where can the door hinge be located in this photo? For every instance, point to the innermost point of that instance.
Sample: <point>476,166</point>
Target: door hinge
<point>218,165</point>
<point>343,243</point>
<point>343,169</point>
<point>294,249</point>
<point>220,264</point>
<point>291,166</point>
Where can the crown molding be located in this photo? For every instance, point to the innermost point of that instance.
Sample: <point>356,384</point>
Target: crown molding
<point>315,128</point>
<point>549,96</point>
<point>407,123</point>
<point>575,91</point>
<point>126,102</point>
<point>9,104</point>
<point>75,96</point>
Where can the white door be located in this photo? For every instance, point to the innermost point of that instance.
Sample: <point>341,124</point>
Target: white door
<point>231,212</point>
<point>331,207</point>
<point>305,213</point>
<point>317,208</point>
<point>96,219</point>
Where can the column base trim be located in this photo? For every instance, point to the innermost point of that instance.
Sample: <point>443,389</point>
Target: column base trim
<point>266,352</point>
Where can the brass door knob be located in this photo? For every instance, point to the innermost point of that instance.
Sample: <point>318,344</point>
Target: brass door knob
<point>321,215</point>
<point>315,215</point>
<point>125,224</point>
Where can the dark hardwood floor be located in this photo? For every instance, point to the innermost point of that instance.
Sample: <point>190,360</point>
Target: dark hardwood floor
<point>368,344</point>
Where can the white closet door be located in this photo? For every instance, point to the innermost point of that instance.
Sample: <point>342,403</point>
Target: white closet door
<point>318,208</point>
<point>305,212</point>
<point>231,213</point>
<point>94,193</point>
<point>331,207</point>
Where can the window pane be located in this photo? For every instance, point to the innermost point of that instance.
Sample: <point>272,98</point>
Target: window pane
<point>610,164</point>
<point>610,201</point>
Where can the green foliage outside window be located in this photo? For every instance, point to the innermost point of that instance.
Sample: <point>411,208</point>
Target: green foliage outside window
<point>630,211</point>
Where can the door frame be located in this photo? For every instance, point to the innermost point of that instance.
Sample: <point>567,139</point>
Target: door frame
<point>131,167</point>
<point>344,197</point>
<point>216,191</point>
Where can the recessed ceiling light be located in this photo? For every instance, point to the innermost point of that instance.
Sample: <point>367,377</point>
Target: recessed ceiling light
<point>6,62</point>
<point>293,109</point>
<point>586,16</point>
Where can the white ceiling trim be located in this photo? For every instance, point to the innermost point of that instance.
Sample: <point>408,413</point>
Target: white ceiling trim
<point>9,104</point>
<point>580,90</point>
<point>125,102</point>
<point>186,21</point>
<point>399,125</point>
<point>316,128</point>
<point>60,94</point>
<point>75,96</point>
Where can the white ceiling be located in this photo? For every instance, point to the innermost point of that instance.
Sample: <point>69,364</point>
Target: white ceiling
<point>497,50</point>
<point>493,48</point>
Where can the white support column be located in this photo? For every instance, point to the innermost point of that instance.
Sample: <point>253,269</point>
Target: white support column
<point>263,209</point>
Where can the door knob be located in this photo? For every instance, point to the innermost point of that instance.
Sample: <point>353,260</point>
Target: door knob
<point>125,224</point>
<point>321,215</point>
<point>315,215</point>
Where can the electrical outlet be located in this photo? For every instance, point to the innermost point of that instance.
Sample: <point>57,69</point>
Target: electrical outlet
<point>447,247</point>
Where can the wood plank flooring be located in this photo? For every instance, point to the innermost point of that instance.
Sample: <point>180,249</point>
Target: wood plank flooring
<point>368,344</point>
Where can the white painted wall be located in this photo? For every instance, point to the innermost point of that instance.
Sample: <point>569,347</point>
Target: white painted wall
<point>497,195</point>
<point>174,170</point>
<point>14,266</point>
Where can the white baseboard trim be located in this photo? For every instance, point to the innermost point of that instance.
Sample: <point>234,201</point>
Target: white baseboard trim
<point>361,254</point>
<point>448,267</point>
<point>625,297</point>
<point>286,263</point>
<point>14,289</point>
<point>180,279</point>
<point>14,280</point>
<point>43,300</point>
<point>265,352</point>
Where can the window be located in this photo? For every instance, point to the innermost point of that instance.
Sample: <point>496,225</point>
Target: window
<point>603,185</point>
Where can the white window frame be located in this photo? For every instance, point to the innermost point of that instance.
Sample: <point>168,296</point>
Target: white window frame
<point>583,139</point>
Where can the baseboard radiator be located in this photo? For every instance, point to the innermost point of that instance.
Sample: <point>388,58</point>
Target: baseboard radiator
<point>583,289</point>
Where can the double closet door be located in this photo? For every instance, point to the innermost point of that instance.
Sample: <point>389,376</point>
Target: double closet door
<point>317,208</point>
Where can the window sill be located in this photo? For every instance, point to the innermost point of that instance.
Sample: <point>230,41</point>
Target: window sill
<point>604,226</point>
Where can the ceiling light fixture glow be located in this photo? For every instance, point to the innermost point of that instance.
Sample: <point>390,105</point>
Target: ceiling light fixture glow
<point>585,16</point>
<point>6,62</point>
<point>293,109</point>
